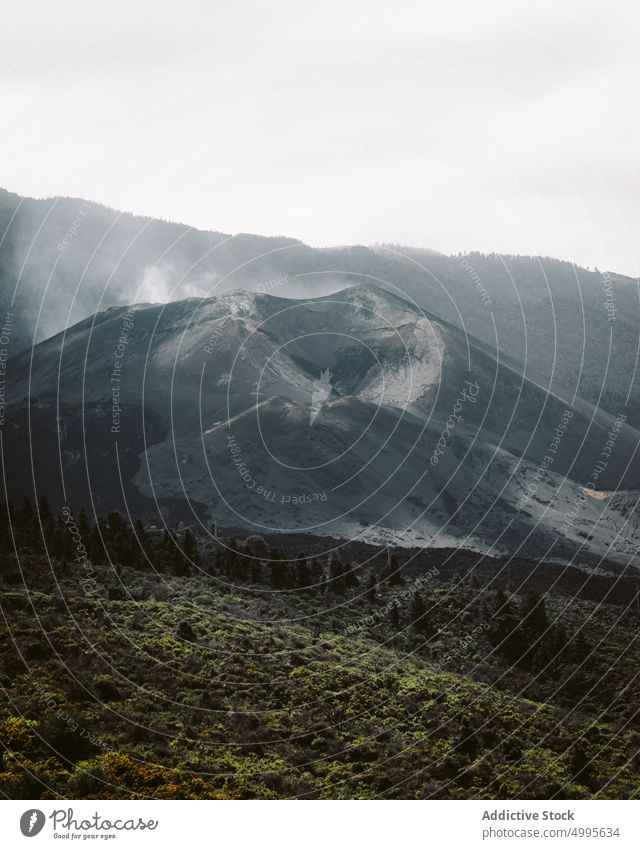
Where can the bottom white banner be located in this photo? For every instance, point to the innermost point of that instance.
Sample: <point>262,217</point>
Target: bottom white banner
<point>279,825</point>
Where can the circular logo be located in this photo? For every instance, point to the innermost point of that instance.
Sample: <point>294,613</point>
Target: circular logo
<point>32,822</point>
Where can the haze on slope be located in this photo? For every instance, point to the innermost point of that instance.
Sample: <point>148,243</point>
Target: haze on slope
<point>572,330</point>
<point>218,407</point>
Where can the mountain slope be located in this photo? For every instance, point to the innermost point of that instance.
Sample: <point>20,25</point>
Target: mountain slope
<point>356,414</point>
<point>572,330</point>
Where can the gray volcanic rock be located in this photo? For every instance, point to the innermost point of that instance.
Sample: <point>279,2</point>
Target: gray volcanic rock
<point>355,414</point>
<point>572,330</point>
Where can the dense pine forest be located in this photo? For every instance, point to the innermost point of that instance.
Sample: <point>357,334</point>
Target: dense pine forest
<point>190,662</point>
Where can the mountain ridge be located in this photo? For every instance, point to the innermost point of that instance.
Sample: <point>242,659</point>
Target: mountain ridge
<point>380,459</point>
<point>70,259</point>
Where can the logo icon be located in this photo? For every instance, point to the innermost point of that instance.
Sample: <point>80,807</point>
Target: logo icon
<point>32,822</point>
<point>321,391</point>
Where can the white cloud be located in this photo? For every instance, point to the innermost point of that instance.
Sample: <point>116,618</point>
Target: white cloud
<point>451,125</point>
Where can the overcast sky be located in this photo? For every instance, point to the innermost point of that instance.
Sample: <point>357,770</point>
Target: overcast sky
<point>496,126</point>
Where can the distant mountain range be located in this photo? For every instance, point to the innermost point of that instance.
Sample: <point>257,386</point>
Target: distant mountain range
<point>573,330</point>
<point>394,394</point>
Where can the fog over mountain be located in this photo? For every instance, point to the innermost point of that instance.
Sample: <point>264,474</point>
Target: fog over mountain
<point>353,415</point>
<point>383,393</point>
<point>570,329</point>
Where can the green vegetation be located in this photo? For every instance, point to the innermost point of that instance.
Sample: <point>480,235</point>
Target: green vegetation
<point>164,665</point>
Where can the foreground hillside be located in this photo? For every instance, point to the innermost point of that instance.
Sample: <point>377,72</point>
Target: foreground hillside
<point>263,674</point>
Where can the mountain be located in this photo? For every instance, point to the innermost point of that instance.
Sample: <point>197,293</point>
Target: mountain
<point>63,259</point>
<point>357,414</point>
<point>569,329</point>
<point>572,329</point>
